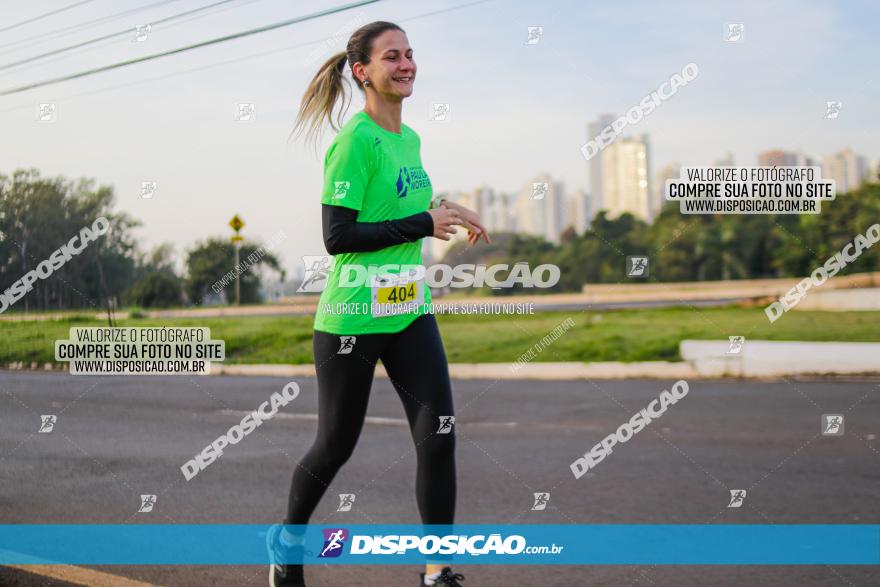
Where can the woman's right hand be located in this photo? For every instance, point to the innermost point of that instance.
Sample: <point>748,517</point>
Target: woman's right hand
<point>445,220</point>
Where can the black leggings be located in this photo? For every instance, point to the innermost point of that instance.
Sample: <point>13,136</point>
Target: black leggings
<point>416,364</point>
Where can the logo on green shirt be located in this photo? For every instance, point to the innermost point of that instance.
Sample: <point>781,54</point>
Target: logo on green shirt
<point>411,178</point>
<point>341,189</point>
<point>403,182</point>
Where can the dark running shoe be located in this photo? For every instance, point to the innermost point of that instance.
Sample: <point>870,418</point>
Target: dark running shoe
<point>284,574</point>
<point>447,578</point>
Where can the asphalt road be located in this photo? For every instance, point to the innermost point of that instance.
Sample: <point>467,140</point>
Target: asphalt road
<point>118,437</point>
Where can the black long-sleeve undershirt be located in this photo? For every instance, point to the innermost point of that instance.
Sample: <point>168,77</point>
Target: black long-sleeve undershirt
<point>344,234</point>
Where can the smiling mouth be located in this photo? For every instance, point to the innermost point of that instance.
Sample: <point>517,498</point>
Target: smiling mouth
<point>403,80</point>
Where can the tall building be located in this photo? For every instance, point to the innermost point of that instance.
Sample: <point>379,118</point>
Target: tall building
<point>777,158</point>
<point>846,168</point>
<point>802,160</point>
<point>570,212</point>
<point>493,209</point>
<point>577,212</point>
<point>502,214</point>
<point>595,163</point>
<point>625,178</point>
<point>583,211</point>
<point>540,208</point>
<point>726,162</point>
<point>484,198</point>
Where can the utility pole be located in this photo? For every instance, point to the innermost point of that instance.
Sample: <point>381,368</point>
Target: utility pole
<point>104,285</point>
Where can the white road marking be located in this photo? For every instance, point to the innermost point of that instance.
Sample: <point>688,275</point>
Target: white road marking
<point>403,422</point>
<point>80,576</point>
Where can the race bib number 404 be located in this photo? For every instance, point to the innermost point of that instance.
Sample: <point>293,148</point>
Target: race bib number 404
<point>396,294</point>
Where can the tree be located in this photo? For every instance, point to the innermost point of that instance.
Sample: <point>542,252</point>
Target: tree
<point>156,289</point>
<point>806,241</point>
<point>39,216</point>
<point>211,268</point>
<point>156,285</point>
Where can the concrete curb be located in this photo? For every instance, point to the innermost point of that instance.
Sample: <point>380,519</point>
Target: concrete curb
<point>763,358</point>
<point>501,371</point>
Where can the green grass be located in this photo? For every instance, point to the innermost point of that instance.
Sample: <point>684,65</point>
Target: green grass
<point>622,335</point>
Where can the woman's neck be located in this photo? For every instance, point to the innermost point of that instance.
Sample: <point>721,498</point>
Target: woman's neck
<point>385,114</point>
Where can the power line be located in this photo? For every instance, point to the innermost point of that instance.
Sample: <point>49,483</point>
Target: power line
<point>72,28</point>
<point>224,39</point>
<point>112,35</point>
<point>190,47</point>
<point>165,27</point>
<point>36,18</point>
<point>30,106</point>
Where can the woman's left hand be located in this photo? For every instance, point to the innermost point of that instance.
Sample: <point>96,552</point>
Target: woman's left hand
<point>471,221</point>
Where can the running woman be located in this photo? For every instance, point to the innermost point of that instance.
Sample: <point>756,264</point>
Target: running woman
<point>376,207</point>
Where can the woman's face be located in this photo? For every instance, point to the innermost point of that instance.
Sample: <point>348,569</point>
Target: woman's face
<point>391,70</point>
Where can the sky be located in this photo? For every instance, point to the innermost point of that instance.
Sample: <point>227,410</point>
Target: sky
<point>516,109</point>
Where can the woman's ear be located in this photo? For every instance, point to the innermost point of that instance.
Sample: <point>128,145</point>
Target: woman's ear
<point>358,70</point>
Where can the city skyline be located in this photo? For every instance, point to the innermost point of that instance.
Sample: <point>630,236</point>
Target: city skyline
<point>543,216</point>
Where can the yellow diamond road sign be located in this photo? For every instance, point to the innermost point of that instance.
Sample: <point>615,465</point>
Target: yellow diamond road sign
<point>236,223</point>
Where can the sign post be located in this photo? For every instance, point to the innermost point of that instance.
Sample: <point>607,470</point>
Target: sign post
<point>237,224</point>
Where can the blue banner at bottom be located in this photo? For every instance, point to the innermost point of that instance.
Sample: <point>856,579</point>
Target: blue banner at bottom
<point>483,544</point>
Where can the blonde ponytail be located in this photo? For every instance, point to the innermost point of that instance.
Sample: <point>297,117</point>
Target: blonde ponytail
<point>320,99</point>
